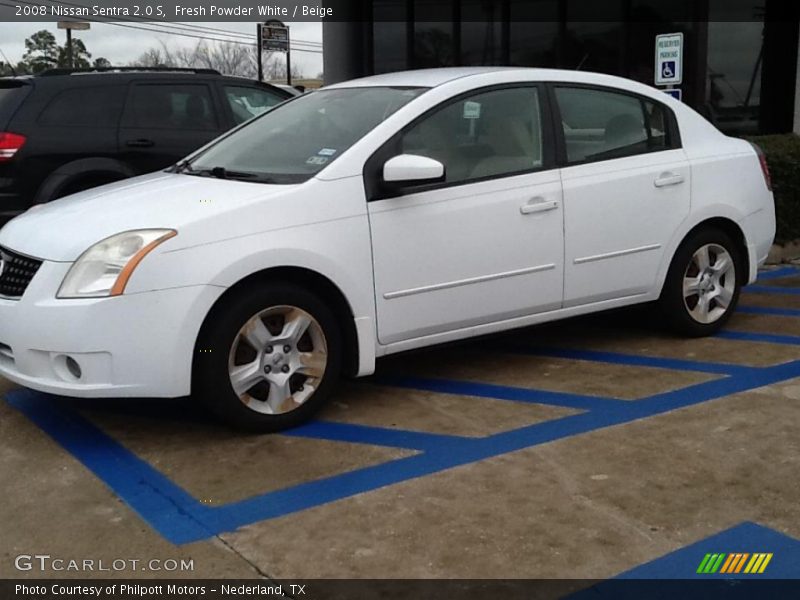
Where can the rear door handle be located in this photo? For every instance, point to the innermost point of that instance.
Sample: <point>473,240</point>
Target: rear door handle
<point>140,143</point>
<point>666,179</point>
<point>537,205</point>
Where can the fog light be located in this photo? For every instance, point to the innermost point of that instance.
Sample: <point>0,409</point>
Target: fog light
<point>73,367</point>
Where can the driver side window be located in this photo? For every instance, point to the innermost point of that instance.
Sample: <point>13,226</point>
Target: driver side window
<point>489,134</point>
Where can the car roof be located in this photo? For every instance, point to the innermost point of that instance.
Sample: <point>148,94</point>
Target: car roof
<point>431,78</point>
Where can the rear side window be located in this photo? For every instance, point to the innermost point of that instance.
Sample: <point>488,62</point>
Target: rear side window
<point>249,102</point>
<point>601,125</point>
<point>166,106</point>
<point>84,107</point>
<point>12,93</point>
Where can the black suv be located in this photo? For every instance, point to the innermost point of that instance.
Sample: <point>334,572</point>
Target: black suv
<point>64,130</point>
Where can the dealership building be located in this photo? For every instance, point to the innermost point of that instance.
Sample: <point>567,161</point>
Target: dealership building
<point>738,58</point>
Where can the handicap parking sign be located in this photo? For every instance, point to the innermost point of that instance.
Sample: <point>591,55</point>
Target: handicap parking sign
<point>669,59</point>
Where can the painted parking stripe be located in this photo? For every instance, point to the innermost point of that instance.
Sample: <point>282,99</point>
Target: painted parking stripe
<point>779,273</point>
<point>633,360</point>
<point>769,310</point>
<point>770,338</point>
<point>498,392</point>
<point>771,289</point>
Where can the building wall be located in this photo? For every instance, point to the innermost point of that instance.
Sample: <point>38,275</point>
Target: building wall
<point>797,93</point>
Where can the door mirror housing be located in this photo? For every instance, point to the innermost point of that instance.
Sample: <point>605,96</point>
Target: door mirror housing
<point>408,169</point>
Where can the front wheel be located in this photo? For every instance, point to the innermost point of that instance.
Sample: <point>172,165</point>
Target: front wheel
<point>268,358</point>
<point>703,284</point>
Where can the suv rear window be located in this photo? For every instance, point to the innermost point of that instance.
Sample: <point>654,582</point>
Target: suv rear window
<point>84,107</point>
<point>11,95</point>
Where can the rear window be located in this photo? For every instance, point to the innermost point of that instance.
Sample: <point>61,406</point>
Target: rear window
<point>84,107</point>
<point>11,95</point>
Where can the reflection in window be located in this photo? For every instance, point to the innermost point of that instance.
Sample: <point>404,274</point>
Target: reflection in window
<point>533,33</point>
<point>433,34</point>
<point>481,32</point>
<point>733,93</point>
<point>594,36</point>
<point>389,35</point>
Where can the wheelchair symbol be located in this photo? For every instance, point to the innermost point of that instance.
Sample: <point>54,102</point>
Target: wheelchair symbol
<point>668,69</point>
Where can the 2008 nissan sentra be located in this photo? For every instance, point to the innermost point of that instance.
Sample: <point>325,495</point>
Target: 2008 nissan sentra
<point>376,216</point>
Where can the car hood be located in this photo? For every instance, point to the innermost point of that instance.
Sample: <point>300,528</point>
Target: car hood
<point>62,230</point>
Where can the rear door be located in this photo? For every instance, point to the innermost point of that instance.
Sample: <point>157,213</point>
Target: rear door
<point>164,121</point>
<point>626,183</point>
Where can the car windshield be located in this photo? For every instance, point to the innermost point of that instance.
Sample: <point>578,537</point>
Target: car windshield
<point>297,139</point>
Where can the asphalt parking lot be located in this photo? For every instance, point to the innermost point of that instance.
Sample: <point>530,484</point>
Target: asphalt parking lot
<point>584,449</point>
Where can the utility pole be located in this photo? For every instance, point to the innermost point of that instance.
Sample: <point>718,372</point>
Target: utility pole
<point>69,26</point>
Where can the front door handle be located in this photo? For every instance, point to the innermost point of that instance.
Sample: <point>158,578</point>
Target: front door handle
<point>666,179</point>
<point>140,143</point>
<point>537,205</point>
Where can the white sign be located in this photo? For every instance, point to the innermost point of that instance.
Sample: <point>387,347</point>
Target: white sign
<point>472,110</point>
<point>669,59</point>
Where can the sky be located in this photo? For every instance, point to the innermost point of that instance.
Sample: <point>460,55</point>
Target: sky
<point>121,45</point>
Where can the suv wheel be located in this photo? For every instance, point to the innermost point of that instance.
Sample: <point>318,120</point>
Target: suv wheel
<point>703,284</point>
<point>267,360</point>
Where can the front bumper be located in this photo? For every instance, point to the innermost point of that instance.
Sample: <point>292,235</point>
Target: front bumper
<point>138,344</point>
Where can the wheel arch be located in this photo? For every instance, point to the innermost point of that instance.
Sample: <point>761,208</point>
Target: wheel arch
<point>77,170</point>
<point>314,282</point>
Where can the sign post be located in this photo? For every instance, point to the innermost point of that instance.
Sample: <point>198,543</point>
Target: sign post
<point>669,62</point>
<point>273,36</point>
<point>69,26</point>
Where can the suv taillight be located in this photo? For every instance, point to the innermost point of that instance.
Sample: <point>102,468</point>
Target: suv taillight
<point>762,158</point>
<point>9,144</point>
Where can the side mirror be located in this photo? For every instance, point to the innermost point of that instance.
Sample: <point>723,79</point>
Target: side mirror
<point>411,168</point>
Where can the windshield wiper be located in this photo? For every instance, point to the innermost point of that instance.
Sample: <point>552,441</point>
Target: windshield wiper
<point>223,173</point>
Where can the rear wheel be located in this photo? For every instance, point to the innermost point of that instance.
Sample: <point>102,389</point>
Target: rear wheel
<point>703,283</point>
<point>268,358</point>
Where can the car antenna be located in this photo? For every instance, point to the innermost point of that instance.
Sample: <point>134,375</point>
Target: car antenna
<point>583,60</point>
<point>8,62</point>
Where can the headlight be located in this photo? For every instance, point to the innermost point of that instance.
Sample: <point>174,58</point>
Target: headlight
<point>104,269</point>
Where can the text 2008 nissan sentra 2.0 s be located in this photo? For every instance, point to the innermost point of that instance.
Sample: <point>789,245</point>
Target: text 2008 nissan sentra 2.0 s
<point>376,216</point>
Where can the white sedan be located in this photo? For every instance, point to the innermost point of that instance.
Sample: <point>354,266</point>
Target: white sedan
<point>376,216</point>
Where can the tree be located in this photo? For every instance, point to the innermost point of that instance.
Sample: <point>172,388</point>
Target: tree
<point>80,55</point>
<point>41,51</point>
<point>101,63</point>
<point>226,57</point>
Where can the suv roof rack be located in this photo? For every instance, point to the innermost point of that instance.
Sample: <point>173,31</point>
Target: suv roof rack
<point>64,71</point>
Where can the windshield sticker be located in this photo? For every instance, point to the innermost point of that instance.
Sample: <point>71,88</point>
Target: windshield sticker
<point>316,160</point>
<point>327,152</point>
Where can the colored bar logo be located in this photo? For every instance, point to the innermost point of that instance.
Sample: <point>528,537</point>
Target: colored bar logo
<point>737,562</point>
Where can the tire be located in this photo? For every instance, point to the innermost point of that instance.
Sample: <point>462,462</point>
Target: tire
<point>712,293</point>
<point>268,357</point>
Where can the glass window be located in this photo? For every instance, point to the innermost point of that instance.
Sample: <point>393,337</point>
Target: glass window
<point>249,102</point>
<point>481,32</point>
<point>389,35</point>
<point>297,139</point>
<point>166,106</point>
<point>533,33</point>
<point>600,125</point>
<point>434,45</point>
<point>85,107</point>
<point>488,134</point>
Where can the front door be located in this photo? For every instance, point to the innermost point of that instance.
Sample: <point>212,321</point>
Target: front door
<point>486,244</point>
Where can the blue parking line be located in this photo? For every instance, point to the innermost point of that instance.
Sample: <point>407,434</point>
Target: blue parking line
<point>768,310</point>
<point>498,392</point>
<point>770,338</point>
<point>633,360</point>
<point>771,289</point>
<point>779,273</point>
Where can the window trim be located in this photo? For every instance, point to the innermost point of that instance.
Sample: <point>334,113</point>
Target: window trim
<point>373,182</point>
<point>673,131</point>
<point>126,122</point>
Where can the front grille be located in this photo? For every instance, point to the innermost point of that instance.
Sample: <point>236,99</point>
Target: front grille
<point>16,272</point>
